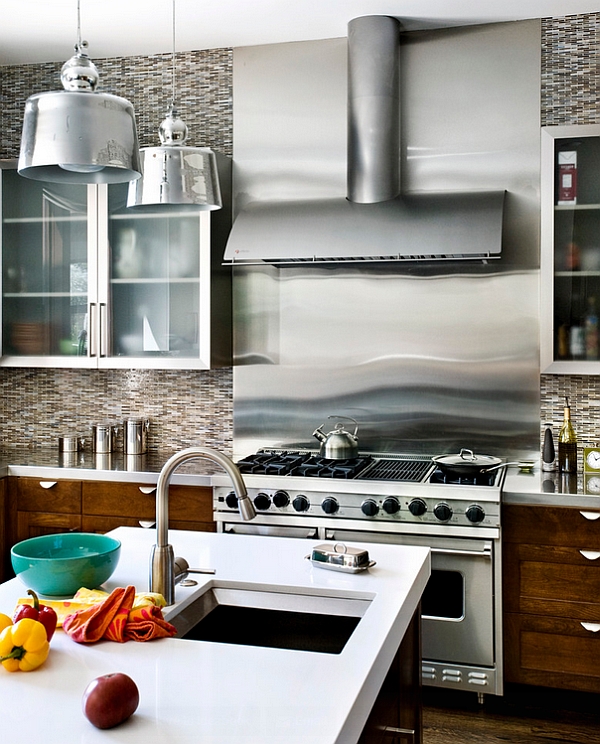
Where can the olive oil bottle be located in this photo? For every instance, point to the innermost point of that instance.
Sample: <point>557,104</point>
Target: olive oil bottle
<point>567,443</point>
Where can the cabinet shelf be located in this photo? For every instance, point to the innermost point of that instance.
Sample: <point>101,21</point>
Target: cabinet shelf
<point>159,280</point>
<point>575,207</point>
<point>29,295</point>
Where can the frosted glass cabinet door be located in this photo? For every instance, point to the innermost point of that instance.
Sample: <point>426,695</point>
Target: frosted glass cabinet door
<point>44,269</point>
<point>154,269</point>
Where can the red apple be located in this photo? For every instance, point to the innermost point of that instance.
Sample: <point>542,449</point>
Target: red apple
<point>111,699</point>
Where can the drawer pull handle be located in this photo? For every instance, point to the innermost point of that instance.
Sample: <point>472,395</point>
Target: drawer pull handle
<point>592,516</point>
<point>146,524</point>
<point>147,489</point>
<point>591,555</point>
<point>48,484</point>
<point>593,627</point>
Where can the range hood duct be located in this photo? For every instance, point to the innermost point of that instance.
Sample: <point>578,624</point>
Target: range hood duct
<point>374,222</point>
<point>373,109</point>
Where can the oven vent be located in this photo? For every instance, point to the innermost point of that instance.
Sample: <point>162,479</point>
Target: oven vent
<point>412,471</point>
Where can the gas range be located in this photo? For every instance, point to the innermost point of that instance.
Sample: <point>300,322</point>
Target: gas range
<point>372,491</point>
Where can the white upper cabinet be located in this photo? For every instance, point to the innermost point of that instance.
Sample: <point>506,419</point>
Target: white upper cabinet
<point>570,250</point>
<point>87,282</point>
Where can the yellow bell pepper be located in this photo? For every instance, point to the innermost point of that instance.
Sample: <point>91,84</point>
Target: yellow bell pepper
<point>5,621</point>
<point>24,646</point>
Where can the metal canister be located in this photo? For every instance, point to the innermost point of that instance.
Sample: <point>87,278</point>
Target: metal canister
<point>70,443</point>
<point>135,436</point>
<point>104,437</point>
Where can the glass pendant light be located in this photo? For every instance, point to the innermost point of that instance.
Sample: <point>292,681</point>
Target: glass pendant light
<point>175,175</point>
<point>77,135</point>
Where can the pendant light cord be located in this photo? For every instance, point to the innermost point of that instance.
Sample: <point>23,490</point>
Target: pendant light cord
<point>173,63</point>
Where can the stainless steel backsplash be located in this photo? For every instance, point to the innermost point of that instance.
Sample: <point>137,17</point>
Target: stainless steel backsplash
<point>425,358</point>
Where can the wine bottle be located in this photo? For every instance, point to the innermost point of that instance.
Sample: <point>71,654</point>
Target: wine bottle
<point>567,443</point>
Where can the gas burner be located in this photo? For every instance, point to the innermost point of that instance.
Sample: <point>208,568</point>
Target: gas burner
<point>475,479</point>
<point>304,464</point>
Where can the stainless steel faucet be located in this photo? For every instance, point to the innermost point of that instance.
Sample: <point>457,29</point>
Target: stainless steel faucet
<point>165,569</point>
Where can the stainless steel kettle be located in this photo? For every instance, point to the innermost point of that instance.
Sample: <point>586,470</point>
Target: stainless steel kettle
<point>338,444</point>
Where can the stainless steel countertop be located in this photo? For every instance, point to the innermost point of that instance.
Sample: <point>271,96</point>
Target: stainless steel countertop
<point>535,488</point>
<point>540,488</point>
<point>49,464</point>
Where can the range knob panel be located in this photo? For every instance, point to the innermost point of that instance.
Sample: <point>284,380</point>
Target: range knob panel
<point>391,505</point>
<point>442,512</point>
<point>281,499</point>
<point>301,503</point>
<point>369,508</point>
<point>417,507</point>
<point>330,505</point>
<point>262,501</point>
<point>231,500</point>
<point>475,514</point>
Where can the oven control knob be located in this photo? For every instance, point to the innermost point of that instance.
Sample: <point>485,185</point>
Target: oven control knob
<point>391,506</point>
<point>369,508</point>
<point>280,499</point>
<point>262,501</point>
<point>330,505</point>
<point>231,500</point>
<point>301,503</point>
<point>475,514</point>
<point>417,507</point>
<point>442,512</point>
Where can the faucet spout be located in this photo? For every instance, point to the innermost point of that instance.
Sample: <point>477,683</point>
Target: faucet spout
<point>163,576</point>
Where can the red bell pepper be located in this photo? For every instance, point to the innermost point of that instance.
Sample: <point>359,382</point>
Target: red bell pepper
<point>42,613</point>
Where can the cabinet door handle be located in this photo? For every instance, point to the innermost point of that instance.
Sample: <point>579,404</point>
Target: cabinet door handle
<point>593,627</point>
<point>47,484</point>
<point>591,555</point>
<point>147,489</point>
<point>146,524</point>
<point>92,331</point>
<point>103,320</point>
<point>591,516</point>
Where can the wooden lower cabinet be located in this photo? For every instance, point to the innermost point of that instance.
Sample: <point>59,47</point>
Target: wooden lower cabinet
<point>37,507</point>
<point>106,505</point>
<point>551,597</point>
<point>396,717</point>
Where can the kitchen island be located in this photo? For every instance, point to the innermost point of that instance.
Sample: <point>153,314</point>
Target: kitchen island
<point>220,693</point>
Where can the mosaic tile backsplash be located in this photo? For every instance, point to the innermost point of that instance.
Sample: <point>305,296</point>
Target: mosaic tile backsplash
<point>184,407</point>
<point>37,406</point>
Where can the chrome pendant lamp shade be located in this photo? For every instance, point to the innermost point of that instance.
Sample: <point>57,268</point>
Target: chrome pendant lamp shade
<point>176,176</point>
<point>77,135</point>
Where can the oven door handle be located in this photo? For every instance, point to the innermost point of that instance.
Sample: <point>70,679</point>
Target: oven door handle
<point>475,553</point>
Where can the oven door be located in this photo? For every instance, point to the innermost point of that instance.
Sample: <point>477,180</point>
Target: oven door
<point>457,607</point>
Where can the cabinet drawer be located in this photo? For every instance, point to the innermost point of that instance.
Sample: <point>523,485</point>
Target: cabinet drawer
<point>551,652</point>
<point>549,525</point>
<point>33,524</point>
<point>549,580</point>
<point>63,496</point>
<point>186,503</point>
<point>105,524</point>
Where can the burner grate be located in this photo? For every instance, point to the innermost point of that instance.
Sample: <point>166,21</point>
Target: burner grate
<point>412,471</point>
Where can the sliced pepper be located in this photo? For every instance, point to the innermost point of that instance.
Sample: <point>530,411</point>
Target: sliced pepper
<point>24,646</point>
<point>42,613</point>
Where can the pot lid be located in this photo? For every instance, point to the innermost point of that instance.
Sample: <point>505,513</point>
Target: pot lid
<point>467,457</point>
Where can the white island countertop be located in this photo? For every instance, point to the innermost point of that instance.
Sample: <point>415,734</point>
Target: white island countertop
<point>195,691</point>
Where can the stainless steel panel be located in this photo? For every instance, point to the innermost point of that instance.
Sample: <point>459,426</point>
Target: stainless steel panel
<point>427,359</point>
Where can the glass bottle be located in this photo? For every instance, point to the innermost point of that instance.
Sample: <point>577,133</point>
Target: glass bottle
<point>567,443</point>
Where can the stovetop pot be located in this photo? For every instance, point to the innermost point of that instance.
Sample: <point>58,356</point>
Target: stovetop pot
<point>338,444</point>
<point>467,463</point>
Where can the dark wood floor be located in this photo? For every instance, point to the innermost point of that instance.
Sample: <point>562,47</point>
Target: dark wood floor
<point>524,715</point>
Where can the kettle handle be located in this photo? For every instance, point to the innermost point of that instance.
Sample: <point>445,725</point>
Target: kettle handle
<point>347,418</point>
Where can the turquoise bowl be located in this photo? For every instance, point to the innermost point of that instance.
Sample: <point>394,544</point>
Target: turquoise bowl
<point>59,565</point>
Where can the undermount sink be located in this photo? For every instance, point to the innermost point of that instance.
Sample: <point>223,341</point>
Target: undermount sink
<point>229,613</point>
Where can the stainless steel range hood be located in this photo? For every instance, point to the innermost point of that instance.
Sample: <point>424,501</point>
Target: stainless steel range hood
<point>374,222</point>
